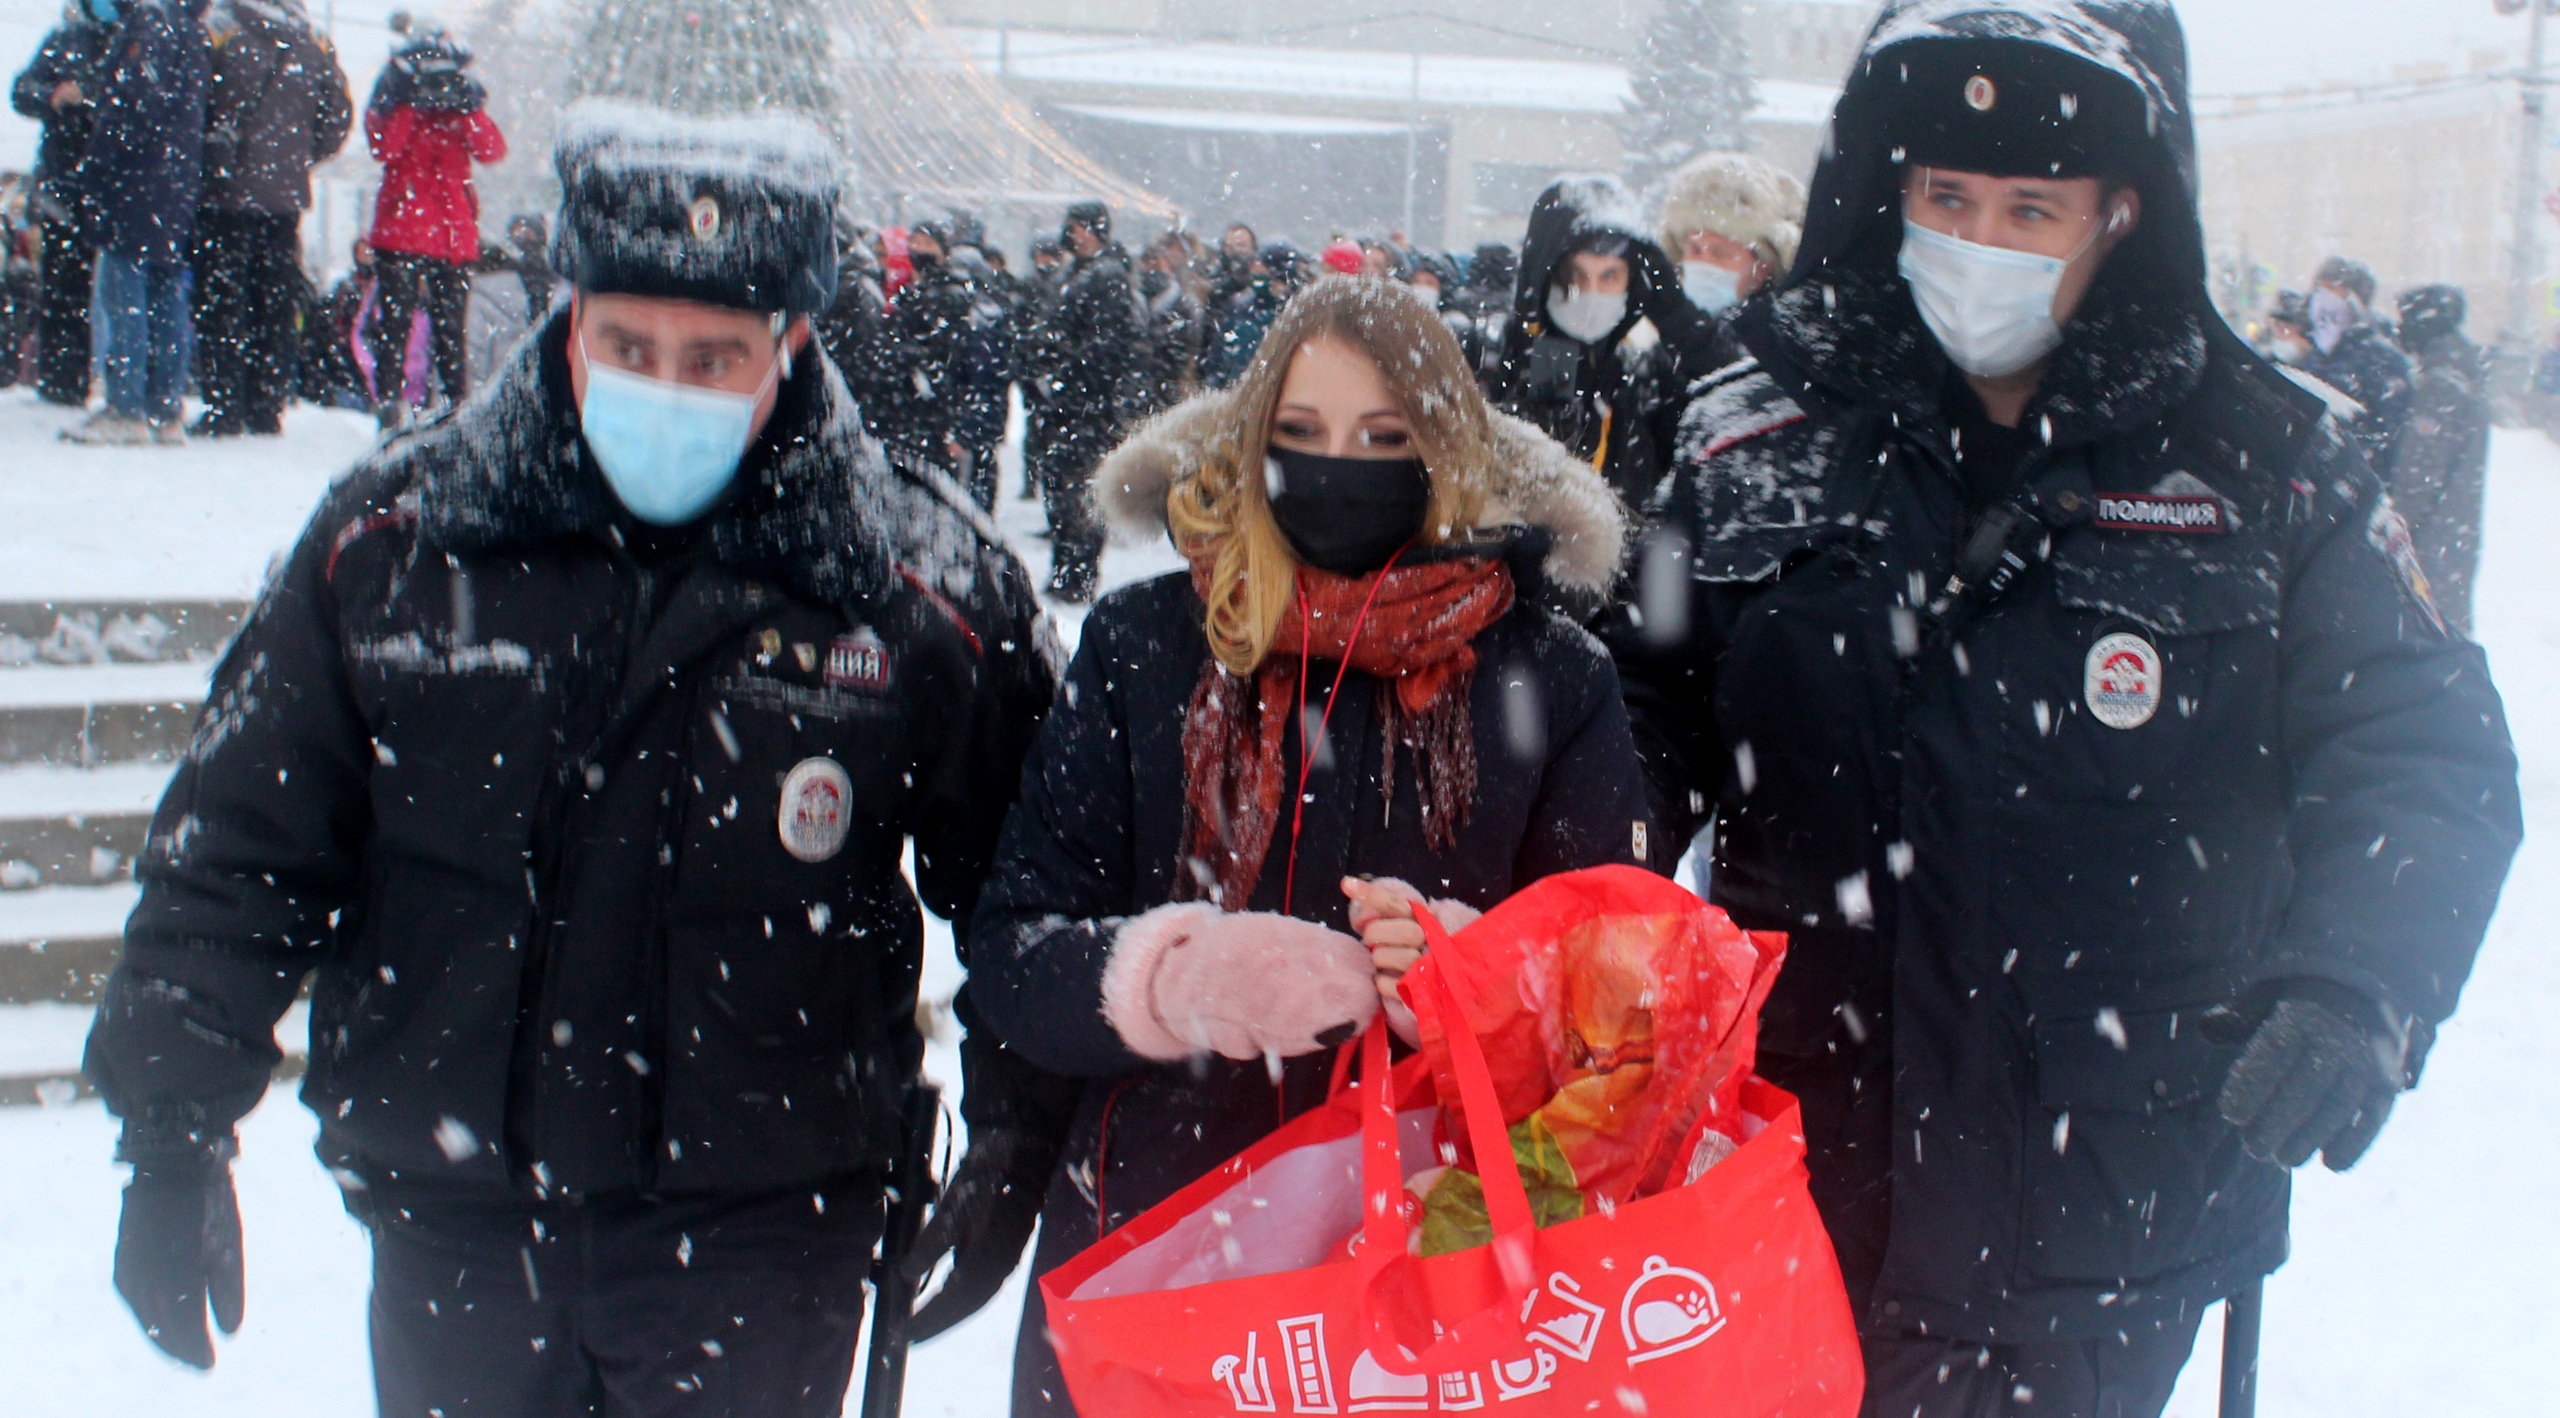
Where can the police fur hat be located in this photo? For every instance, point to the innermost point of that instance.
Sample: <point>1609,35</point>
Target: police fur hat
<point>1739,198</point>
<point>1091,215</point>
<point>2011,108</point>
<point>727,211</point>
<point>2429,312</point>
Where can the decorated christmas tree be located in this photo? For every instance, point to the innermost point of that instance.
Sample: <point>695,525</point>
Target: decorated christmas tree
<point>1692,88</point>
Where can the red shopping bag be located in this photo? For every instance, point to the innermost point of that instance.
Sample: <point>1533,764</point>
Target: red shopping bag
<point>1715,1299</point>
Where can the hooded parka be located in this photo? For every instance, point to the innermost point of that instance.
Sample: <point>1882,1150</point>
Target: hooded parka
<point>588,838</point>
<point>1607,399</point>
<point>2199,735</point>
<point>1098,834</point>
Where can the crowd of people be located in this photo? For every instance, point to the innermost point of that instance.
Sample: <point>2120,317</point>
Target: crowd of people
<point>166,205</point>
<point>2062,676</point>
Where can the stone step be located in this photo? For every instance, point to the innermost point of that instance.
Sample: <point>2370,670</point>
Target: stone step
<point>87,715</point>
<point>74,826</point>
<point>75,632</point>
<point>41,1043</point>
<point>57,943</point>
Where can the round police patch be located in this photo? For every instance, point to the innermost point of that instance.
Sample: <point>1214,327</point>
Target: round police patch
<point>817,809</point>
<point>2123,681</point>
<point>703,216</point>
<point>1980,94</point>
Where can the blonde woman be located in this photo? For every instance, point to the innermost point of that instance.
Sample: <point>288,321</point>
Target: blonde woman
<point>1189,904</point>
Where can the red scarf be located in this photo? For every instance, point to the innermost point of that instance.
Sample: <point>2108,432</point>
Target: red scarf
<point>1412,626</point>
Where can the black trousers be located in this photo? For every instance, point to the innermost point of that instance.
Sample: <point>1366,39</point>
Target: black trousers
<point>1064,468</point>
<point>248,291</point>
<point>62,316</point>
<point>618,1306</point>
<point>2127,1377</point>
<point>443,290</point>
<point>982,471</point>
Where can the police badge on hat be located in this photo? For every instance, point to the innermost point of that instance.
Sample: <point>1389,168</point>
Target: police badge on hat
<point>817,809</point>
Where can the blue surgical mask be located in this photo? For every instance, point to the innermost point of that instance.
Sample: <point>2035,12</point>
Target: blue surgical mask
<point>668,450</point>
<point>1711,288</point>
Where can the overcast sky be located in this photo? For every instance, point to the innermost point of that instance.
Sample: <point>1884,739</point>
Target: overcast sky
<point>2245,45</point>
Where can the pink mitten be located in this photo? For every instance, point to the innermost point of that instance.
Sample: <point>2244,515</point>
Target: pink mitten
<point>1188,978</point>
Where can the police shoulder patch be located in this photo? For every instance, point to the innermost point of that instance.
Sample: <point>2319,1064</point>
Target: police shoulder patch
<point>2388,533</point>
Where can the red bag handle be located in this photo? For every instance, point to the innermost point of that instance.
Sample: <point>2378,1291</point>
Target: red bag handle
<point>1394,1304</point>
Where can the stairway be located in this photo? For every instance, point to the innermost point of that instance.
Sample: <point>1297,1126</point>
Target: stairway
<point>96,703</point>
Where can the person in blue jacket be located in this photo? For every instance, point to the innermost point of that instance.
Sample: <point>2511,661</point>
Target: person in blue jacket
<point>140,182</point>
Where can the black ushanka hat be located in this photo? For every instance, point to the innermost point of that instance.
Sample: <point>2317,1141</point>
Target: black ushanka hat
<point>738,212</point>
<point>2010,108</point>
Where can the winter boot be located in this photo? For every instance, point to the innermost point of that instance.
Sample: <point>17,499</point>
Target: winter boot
<point>169,433</point>
<point>107,428</point>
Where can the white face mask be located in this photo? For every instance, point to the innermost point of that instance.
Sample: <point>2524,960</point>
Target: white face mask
<point>1990,307</point>
<point>2332,315</point>
<point>1586,315</point>
<point>1711,288</point>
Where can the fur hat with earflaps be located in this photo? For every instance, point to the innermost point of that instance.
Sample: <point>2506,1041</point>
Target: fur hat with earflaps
<point>1738,197</point>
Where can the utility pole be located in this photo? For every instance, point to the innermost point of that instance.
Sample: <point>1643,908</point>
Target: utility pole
<point>2528,264</point>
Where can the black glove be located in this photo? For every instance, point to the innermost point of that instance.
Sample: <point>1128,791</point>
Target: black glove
<point>2319,1075</point>
<point>982,1221</point>
<point>178,1247</point>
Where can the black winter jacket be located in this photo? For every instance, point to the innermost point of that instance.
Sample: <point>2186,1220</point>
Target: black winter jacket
<point>925,337</point>
<point>2201,738</point>
<point>1606,400</point>
<point>73,53</point>
<point>1097,835</point>
<point>276,106</point>
<point>143,172</point>
<point>590,842</point>
<point>1090,355</point>
<point>2368,368</point>
<point>2440,469</point>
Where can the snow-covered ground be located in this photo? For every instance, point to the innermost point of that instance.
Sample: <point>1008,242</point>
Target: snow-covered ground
<point>2420,1282</point>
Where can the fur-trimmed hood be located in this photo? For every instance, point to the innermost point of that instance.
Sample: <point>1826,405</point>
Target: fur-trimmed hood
<point>821,512</point>
<point>1536,484</point>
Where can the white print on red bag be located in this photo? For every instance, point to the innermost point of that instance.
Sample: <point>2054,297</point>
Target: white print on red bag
<point>1459,1392</point>
<point>1519,1378</point>
<point>817,809</point>
<point>1310,1372</point>
<point>858,661</point>
<point>2123,681</point>
<point>1248,1379</point>
<point>1374,1390</point>
<point>1667,1310</point>
<point>1569,1324</point>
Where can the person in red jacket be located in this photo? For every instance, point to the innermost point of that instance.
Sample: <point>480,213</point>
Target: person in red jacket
<point>427,126</point>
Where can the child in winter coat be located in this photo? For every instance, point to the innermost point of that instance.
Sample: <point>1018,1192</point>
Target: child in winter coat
<point>1354,699</point>
<point>427,126</point>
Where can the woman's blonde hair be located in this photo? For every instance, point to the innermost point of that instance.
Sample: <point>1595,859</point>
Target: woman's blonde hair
<point>1221,511</point>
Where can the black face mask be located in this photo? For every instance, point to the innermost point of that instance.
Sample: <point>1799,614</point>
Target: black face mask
<point>1347,515</point>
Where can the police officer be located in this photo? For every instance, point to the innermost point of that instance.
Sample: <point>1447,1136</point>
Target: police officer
<point>571,757</point>
<point>2056,672</point>
<point>1090,357</point>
